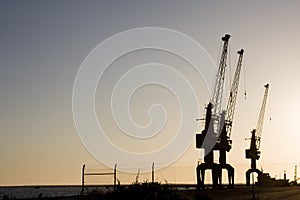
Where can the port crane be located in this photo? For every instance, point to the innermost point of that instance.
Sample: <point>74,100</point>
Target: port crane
<point>253,152</point>
<point>208,137</point>
<point>224,143</point>
<point>295,176</point>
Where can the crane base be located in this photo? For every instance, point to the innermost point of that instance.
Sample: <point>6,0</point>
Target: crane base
<point>248,173</point>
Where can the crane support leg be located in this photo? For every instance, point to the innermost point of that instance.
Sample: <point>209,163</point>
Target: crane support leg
<point>200,183</point>
<point>248,173</point>
<point>200,171</point>
<point>230,172</point>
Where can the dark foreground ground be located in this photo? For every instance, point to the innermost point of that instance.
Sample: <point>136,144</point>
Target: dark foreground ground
<point>246,193</point>
<point>165,192</point>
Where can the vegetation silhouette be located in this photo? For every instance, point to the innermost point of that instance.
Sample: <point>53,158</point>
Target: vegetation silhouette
<point>138,191</point>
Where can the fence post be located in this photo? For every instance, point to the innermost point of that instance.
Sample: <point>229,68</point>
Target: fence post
<point>152,172</point>
<point>115,177</point>
<point>82,180</point>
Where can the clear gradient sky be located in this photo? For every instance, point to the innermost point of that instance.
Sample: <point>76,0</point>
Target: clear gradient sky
<point>43,43</point>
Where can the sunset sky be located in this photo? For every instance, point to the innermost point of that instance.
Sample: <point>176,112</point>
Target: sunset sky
<point>43,44</point>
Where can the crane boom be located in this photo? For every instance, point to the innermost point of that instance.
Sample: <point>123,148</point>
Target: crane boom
<point>218,90</point>
<point>260,121</point>
<point>233,94</point>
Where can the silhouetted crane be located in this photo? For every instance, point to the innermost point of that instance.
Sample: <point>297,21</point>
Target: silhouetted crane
<point>210,134</point>
<point>253,153</point>
<point>295,176</point>
<point>224,143</point>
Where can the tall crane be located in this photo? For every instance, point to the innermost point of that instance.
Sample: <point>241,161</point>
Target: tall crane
<point>253,152</point>
<point>209,135</point>
<point>224,143</point>
<point>295,176</point>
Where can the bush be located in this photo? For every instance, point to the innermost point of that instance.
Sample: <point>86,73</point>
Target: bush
<point>144,191</point>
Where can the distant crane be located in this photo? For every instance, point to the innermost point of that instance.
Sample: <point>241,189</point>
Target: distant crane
<point>209,135</point>
<point>295,176</point>
<point>253,152</point>
<point>224,143</point>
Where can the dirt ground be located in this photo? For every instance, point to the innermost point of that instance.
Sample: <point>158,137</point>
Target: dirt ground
<point>237,193</point>
<point>246,193</point>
